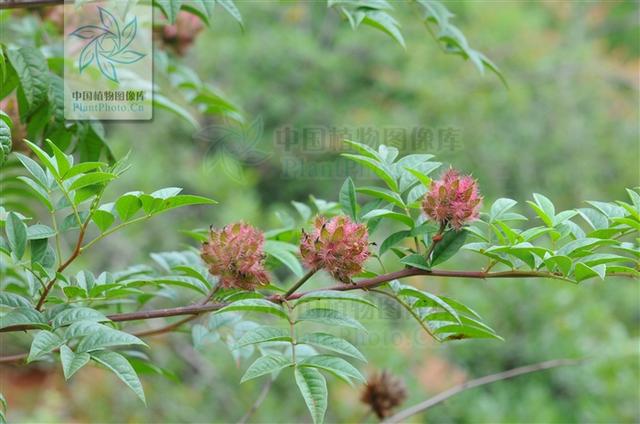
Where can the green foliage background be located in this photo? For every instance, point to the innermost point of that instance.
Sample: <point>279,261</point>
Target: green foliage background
<point>567,126</point>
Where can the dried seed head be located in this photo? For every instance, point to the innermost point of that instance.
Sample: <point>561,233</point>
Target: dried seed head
<point>453,199</point>
<point>383,392</point>
<point>338,246</point>
<point>235,254</point>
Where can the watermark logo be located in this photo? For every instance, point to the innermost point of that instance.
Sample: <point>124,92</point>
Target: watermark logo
<point>311,152</point>
<point>108,67</point>
<point>108,45</point>
<point>232,148</point>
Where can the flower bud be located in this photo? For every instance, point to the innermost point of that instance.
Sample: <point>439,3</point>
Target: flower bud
<point>382,393</point>
<point>453,199</point>
<point>235,254</point>
<point>338,246</point>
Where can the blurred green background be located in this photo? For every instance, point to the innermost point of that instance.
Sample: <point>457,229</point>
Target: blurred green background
<point>567,126</point>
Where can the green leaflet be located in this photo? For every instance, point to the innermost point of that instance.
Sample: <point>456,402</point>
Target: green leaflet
<point>332,343</point>
<point>43,343</point>
<point>335,365</point>
<point>266,365</point>
<point>262,335</point>
<point>104,336</point>
<point>231,8</point>
<point>333,295</point>
<point>119,365</point>
<point>72,361</point>
<point>285,253</point>
<point>24,316</point>
<point>255,305</point>
<point>12,300</point>
<point>451,242</point>
<point>380,169</point>
<point>348,200</point>
<point>330,317</point>
<point>16,235</point>
<point>5,140</point>
<point>416,261</point>
<point>71,315</point>
<point>429,299</point>
<point>313,388</point>
<point>33,72</point>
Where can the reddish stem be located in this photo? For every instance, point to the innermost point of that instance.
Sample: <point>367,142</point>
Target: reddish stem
<point>63,266</point>
<point>276,298</point>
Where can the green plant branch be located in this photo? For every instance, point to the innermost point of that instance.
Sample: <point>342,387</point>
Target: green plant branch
<point>261,397</point>
<point>76,252</point>
<point>27,268</point>
<point>435,38</point>
<point>292,332</point>
<point>170,327</point>
<point>415,238</point>
<point>299,284</point>
<point>165,329</point>
<point>73,205</point>
<point>408,308</point>
<point>78,248</point>
<point>490,265</point>
<point>114,229</point>
<point>142,333</point>
<point>365,284</point>
<point>384,269</point>
<point>54,222</point>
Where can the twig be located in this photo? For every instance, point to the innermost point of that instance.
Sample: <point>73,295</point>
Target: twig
<point>19,4</point>
<point>177,324</point>
<point>143,333</point>
<point>115,229</point>
<point>164,329</point>
<point>360,285</point>
<point>411,312</point>
<point>13,358</point>
<point>504,375</point>
<point>299,284</point>
<point>63,266</point>
<point>261,397</point>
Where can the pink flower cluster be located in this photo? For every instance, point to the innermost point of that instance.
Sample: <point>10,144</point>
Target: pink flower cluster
<point>453,199</point>
<point>235,254</point>
<point>338,246</point>
<point>182,34</point>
